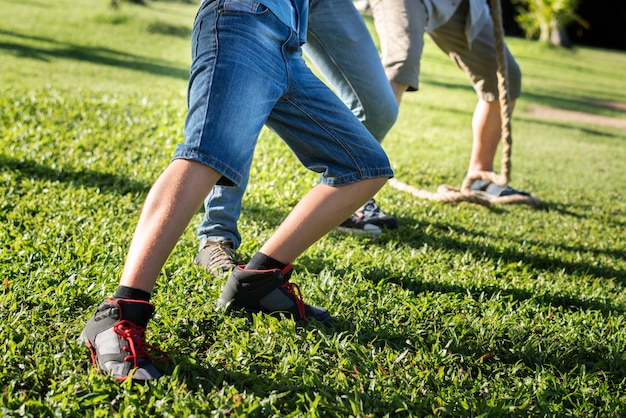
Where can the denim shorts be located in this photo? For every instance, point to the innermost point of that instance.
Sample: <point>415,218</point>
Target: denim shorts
<point>247,70</point>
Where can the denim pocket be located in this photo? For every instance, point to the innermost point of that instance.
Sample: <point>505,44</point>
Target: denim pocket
<point>205,4</point>
<point>243,6</point>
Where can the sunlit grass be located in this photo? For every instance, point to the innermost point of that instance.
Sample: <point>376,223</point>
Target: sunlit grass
<point>462,311</point>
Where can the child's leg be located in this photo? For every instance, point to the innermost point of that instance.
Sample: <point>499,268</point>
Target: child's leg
<point>324,207</point>
<point>236,78</point>
<point>263,285</point>
<point>115,333</point>
<point>328,139</point>
<point>173,200</point>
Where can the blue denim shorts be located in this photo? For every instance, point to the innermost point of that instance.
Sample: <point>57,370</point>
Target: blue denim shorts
<point>247,70</point>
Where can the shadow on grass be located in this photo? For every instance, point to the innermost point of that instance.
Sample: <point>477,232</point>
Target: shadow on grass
<point>442,239</point>
<point>458,242</point>
<point>76,176</point>
<point>509,255</point>
<point>94,55</point>
<point>253,378</point>
<point>164,28</point>
<point>582,212</point>
<point>566,66</point>
<point>591,133</point>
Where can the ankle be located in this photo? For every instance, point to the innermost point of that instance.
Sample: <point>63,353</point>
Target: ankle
<point>125,292</point>
<point>262,261</point>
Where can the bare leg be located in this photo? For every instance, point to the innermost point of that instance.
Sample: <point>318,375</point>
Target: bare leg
<point>178,193</point>
<point>486,130</point>
<point>173,200</point>
<point>398,90</point>
<point>324,208</point>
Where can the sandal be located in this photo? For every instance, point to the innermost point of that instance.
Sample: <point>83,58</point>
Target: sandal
<point>490,190</point>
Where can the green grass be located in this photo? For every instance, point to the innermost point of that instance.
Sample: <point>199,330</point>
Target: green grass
<point>463,311</point>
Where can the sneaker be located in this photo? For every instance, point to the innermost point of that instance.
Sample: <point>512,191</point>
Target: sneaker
<point>268,291</point>
<point>355,225</point>
<point>115,338</point>
<point>217,256</point>
<point>368,220</point>
<point>491,190</point>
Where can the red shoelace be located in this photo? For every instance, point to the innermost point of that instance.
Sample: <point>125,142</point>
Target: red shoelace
<point>137,346</point>
<point>294,290</point>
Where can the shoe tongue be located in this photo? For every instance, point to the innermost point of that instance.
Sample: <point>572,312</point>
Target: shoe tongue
<point>136,311</point>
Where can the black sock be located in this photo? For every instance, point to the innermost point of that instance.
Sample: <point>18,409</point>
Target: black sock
<point>125,292</point>
<point>260,261</point>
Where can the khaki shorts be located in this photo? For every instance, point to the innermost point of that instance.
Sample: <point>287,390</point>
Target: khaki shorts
<point>401,25</point>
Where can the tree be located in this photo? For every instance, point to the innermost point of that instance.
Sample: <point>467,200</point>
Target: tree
<point>547,19</point>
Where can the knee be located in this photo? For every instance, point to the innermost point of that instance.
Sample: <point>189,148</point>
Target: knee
<point>380,116</point>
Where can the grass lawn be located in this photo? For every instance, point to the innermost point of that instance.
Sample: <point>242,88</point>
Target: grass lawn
<point>462,311</point>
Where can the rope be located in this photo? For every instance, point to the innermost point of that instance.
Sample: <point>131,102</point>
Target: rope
<point>448,194</point>
<point>464,194</point>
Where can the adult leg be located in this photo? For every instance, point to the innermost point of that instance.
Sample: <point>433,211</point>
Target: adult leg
<point>218,233</point>
<point>222,209</point>
<point>486,133</point>
<point>479,62</point>
<point>400,25</point>
<point>340,46</point>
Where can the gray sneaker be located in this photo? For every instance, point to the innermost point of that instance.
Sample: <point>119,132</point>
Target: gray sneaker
<point>217,256</point>
<point>268,291</point>
<point>115,338</point>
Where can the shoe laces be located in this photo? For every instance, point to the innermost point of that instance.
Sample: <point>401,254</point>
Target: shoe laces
<point>137,346</point>
<point>221,251</point>
<point>294,290</point>
<point>222,256</point>
<point>371,209</point>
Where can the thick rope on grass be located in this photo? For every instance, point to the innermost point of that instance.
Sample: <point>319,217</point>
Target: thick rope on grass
<point>450,194</point>
<point>444,193</point>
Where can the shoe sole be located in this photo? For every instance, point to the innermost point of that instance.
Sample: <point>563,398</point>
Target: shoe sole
<point>277,314</point>
<point>368,230</point>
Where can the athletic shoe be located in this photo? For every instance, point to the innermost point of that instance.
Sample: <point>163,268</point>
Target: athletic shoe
<point>268,291</point>
<point>217,256</point>
<point>355,225</point>
<point>115,338</point>
<point>490,189</point>
<point>368,220</point>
